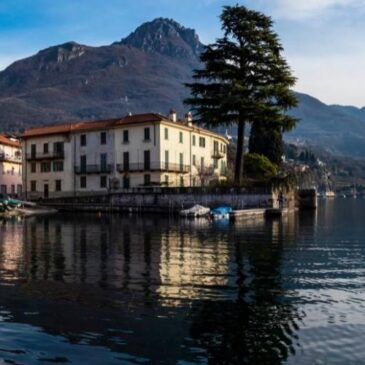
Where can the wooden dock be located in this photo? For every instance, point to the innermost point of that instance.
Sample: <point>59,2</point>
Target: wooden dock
<point>247,214</point>
<point>259,213</point>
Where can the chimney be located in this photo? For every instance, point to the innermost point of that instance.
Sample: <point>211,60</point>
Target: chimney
<point>173,115</point>
<point>189,119</point>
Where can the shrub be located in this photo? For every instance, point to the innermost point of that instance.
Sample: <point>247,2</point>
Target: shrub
<point>259,166</point>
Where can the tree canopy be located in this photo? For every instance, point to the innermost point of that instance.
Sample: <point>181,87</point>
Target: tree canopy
<point>245,78</point>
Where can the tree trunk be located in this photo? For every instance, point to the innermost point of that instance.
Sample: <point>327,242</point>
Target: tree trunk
<point>238,171</point>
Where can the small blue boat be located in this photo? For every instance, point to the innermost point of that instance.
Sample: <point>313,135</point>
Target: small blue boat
<point>221,212</point>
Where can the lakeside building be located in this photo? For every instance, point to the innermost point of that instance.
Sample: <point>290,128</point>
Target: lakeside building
<point>110,155</point>
<point>10,166</point>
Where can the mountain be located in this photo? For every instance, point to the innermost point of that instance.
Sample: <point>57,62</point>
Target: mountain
<point>339,130</point>
<point>143,72</point>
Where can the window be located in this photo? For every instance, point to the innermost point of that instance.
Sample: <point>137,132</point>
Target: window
<point>58,185</point>
<point>4,189</point>
<point>202,163</point>
<point>181,161</point>
<point>166,133</point>
<point>103,138</point>
<point>146,134</point>
<point>126,161</point>
<point>181,180</point>
<point>215,147</point>
<point>12,171</point>
<point>82,182</point>
<point>167,180</point>
<point>19,189</point>
<point>194,140</point>
<point>12,189</point>
<point>147,160</point>
<point>201,142</point>
<point>33,150</point>
<point>45,148</point>
<point>223,167</point>
<point>194,181</point>
<point>45,167</point>
<point>103,181</point>
<point>215,163</point>
<point>126,182</point>
<point>33,167</point>
<point>58,166</point>
<point>167,157</point>
<point>83,140</point>
<point>83,163</point>
<point>58,148</point>
<point>180,137</point>
<point>33,186</point>
<point>103,161</point>
<point>194,160</point>
<point>125,136</point>
<point>147,179</point>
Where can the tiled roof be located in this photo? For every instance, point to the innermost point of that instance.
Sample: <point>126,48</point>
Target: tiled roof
<point>9,142</point>
<point>92,125</point>
<point>105,124</point>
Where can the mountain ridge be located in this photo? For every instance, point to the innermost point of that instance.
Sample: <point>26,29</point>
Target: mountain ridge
<point>143,72</point>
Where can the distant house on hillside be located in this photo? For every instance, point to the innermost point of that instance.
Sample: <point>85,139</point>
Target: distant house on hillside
<point>109,155</point>
<point>10,166</point>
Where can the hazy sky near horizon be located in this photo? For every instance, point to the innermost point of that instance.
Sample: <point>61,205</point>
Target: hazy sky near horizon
<point>324,40</point>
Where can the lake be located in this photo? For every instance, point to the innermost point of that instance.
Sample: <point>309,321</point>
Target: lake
<point>89,289</point>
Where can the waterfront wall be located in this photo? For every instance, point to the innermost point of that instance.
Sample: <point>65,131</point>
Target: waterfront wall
<point>172,200</point>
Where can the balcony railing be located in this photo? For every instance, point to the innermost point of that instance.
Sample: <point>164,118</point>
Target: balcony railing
<point>153,166</point>
<point>8,158</point>
<point>94,169</point>
<point>217,155</point>
<point>55,155</point>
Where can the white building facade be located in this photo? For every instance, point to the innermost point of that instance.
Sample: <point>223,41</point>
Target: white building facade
<point>118,154</point>
<point>10,166</point>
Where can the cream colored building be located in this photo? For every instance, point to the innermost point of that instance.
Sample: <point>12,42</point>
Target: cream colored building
<point>10,166</point>
<point>112,155</point>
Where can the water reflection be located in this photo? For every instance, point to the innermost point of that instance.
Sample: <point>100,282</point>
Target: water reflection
<point>153,289</point>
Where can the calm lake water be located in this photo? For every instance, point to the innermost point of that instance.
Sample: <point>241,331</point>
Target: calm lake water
<point>84,289</point>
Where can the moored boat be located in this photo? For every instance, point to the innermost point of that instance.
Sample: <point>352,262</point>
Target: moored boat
<point>195,211</point>
<point>221,212</point>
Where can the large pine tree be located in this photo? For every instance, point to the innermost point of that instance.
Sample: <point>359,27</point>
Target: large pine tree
<point>245,79</point>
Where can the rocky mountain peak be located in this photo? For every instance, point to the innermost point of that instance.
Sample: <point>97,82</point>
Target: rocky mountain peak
<point>63,53</point>
<point>49,58</point>
<point>167,37</point>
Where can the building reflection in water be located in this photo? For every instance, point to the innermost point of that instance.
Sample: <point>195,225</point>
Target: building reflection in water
<point>11,250</point>
<point>219,288</point>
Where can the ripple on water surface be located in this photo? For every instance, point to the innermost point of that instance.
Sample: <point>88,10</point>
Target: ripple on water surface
<point>134,290</point>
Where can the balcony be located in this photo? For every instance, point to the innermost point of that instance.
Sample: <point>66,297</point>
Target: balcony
<point>94,169</point>
<point>216,155</point>
<point>55,155</point>
<point>7,158</point>
<point>153,166</point>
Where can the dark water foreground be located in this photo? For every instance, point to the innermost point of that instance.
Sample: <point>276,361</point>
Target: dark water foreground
<point>131,290</point>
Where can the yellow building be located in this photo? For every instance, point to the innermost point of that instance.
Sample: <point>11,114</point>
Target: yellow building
<point>135,151</point>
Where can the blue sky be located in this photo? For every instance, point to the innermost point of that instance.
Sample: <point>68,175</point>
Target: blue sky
<point>324,40</point>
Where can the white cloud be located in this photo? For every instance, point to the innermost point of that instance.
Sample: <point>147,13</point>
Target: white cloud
<point>298,9</point>
<point>336,79</point>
